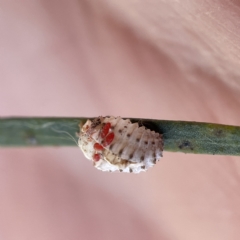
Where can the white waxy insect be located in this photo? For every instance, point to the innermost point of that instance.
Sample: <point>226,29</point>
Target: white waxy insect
<point>113,143</point>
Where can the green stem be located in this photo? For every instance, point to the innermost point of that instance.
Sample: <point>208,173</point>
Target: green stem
<point>179,136</point>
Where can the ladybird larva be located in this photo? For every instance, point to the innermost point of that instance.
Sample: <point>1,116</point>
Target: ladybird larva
<point>113,143</point>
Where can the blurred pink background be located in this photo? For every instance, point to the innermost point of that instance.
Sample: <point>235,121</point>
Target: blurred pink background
<point>176,60</point>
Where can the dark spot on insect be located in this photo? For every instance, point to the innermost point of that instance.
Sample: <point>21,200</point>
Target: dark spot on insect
<point>120,170</point>
<point>146,142</point>
<point>186,145</point>
<point>120,152</point>
<point>125,126</point>
<point>142,167</point>
<point>153,143</point>
<point>154,161</point>
<point>154,155</point>
<point>111,146</point>
<point>137,140</point>
<point>130,170</point>
<point>96,122</point>
<point>128,135</point>
<point>125,162</point>
<point>131,156</point>
<point>120,130</point>
<point>142,158</point>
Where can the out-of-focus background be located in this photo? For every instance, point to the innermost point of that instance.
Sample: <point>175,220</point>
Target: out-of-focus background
<point>171,59</point>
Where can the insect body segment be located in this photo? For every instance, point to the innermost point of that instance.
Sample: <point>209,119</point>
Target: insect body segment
<point>117,144</point>
<point>105,130</point>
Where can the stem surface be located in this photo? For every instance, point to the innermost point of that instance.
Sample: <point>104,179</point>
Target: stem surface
<point>179,136</point>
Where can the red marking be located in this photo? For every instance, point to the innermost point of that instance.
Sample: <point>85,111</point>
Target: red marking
<point>98,147</point>
<point>96,157</point>
<point>108,140</point>
<point>105,130</point>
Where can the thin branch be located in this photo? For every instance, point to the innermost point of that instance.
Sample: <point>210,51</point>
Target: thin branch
<point>179,136</point>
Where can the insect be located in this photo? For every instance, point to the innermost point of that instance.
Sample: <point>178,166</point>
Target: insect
<point>113,143</point>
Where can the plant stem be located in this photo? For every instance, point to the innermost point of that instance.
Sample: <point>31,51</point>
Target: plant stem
<point>179,136</point>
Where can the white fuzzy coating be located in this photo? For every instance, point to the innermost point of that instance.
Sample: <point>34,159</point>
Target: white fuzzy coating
<point>133,149</point>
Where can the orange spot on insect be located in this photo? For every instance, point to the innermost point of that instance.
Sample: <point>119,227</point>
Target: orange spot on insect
<point>108,140</point>
<point>96,157</point>
<point>105,130</point>
<point>98,147</point>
